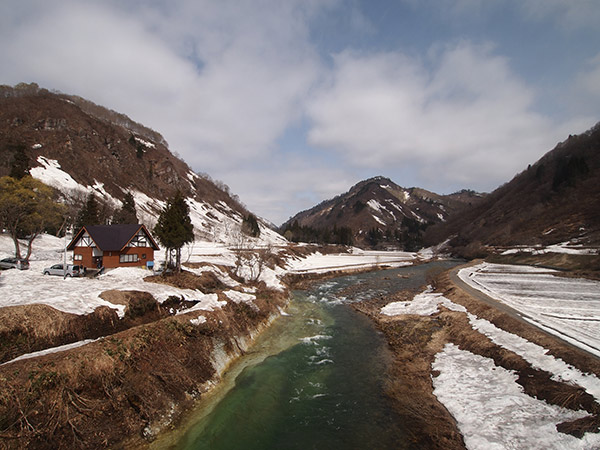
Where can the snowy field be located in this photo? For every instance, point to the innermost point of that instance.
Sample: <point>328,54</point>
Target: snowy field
<point>490,407</point>
<point>566,307</point>
<point>358,259</point>
<point>568,248</point>
<point>82,295</point>
<point>75,295</point>
<point>492,411</point>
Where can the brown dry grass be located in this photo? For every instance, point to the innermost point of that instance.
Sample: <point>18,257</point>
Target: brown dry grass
<point>126,386</point>
<point>29,328</point>
<point>415,341</point>
<point>207,282</point>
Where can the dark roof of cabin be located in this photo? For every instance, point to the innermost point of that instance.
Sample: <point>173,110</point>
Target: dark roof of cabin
<point>111,238</point>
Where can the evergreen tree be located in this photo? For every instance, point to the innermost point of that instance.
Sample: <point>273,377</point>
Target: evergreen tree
<point>250,226</point>
<point>89,214</point>
<point>19,166</point>
<point>127,214</point>
<point>374,236</point>
<point>174,228</point>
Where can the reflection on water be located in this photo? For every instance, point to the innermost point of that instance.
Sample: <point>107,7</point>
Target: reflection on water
<point>324,388</point>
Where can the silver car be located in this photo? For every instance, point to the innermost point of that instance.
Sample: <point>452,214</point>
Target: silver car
<point>57,269</point>
<point>14,263</point>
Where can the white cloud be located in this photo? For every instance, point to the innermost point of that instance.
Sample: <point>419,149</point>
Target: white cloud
<point>112,57</point>
<point>461,116</point>
<point>286,185</point>
<point>225,80</point>
<point>220,80</point>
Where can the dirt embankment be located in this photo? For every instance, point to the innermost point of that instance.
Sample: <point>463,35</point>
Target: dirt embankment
<point>128,386</point>
<point>415,340</point>
<point>31,328</point>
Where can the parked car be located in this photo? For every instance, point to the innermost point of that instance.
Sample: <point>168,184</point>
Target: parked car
<point>14,263</point>
<point>57,269</point>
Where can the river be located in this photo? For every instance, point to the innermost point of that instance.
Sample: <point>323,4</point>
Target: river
<point>314,380</point>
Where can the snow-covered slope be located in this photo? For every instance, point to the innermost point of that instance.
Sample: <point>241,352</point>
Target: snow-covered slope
<point>381,213</point>
<point>80,148</point>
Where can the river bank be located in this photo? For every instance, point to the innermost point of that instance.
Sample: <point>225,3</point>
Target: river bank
<point>321,388</point>
<point>122,390</point>
<point>115,360</point>
<point>419,338</point>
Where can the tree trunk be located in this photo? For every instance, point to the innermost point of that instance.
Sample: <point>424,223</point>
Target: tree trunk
<point>17,246</point>
<point>30,245</point>
<point>178,259</point>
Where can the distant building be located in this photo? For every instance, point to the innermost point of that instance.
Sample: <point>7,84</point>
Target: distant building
<point>113,246</point>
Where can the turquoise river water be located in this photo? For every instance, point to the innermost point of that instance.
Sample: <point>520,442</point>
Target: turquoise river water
<point>313,380</point>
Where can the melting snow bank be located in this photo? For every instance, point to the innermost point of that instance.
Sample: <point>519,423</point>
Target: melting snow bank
<point>537,356</point>
<point>493,412</point>
<point>568,248</point>
<point>357,260</point>
<point>491,409</point>
<point>424,304</point>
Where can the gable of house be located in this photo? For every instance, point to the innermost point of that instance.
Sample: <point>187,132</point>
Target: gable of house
<point>113,246</point>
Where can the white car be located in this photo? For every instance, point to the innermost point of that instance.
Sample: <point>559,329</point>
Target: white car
<point>57,269</point>
<point>14,263</point>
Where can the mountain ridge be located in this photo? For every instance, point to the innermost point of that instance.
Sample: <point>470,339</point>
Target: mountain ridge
<point>554,200</point>
<point>80,148</point>
<point>378,213</point>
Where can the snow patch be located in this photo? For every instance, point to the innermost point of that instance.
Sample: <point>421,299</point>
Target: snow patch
<point>240,297</point>
<point>424,304</point>
<point>49,351</point>
<point>208,302</point>
<point>374,205</point>
<point>493,412</point>
<point>51,174</point>
<point>146,144</point>
<point>198,320</point>
<point>378,220</point>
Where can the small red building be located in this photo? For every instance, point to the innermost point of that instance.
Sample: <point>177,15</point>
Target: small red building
<point>113,246</point>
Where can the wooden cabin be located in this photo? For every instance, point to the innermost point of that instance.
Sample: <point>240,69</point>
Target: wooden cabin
<point>109,246</point>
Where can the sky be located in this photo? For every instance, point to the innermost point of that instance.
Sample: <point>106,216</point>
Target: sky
<point>291,102</point>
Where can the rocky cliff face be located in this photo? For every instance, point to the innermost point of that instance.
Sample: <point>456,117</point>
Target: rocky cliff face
<point>81,148</point>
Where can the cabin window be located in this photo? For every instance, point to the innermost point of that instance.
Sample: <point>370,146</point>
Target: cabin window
<point>128,258</point>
